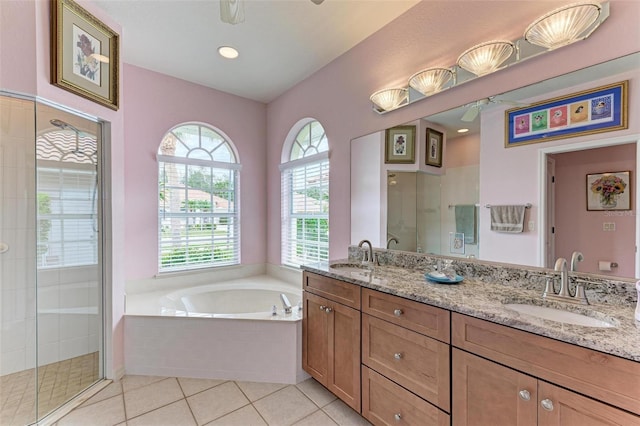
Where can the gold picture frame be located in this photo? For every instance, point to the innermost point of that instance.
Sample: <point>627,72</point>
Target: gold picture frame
<point>400,145</point>
<point>602,109</point>
<point>84,54</point>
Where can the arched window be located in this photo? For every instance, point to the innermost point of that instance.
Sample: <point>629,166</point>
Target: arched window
<point>198,200</point>
<point>305,195</point>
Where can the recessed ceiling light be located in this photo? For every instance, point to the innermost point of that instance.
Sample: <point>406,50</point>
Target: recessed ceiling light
<point>228,52</point>
<point>463,130</point>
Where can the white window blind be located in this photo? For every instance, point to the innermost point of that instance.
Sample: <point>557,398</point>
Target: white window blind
<point>198,192</point>
<point>305,199</point>
<point>67,220</point>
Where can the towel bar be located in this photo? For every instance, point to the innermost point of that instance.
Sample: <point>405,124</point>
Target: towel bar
<point>527,206</point>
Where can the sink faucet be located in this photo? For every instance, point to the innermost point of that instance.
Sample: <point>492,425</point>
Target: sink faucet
<point>576,257</point>
<point>392,239</point>
<point>368,256</point>
<point>564,294</point>
<point>561,266</point>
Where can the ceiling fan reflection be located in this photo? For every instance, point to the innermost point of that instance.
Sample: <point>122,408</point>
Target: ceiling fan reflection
<point>474,108</point>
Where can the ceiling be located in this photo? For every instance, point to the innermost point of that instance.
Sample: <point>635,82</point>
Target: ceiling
<point>281,42</point>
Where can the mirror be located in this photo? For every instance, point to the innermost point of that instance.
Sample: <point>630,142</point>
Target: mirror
<point>478,170</point>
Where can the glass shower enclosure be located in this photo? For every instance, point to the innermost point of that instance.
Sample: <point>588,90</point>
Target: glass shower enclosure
<point>51,251</point>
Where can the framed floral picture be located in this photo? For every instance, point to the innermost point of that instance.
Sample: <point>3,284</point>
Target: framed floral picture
<point>84,54</point>
<point>400,145</point>
<point>433,152</point>
<point>609,191</point>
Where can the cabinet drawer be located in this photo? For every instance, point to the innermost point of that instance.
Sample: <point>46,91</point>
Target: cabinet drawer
<point>386,403</point>
<point>414,361</point>
<point>338,291</point>
<point>604,377</point>
<point>428,320</point>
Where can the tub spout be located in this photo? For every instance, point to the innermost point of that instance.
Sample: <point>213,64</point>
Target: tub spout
<point>285,303</point>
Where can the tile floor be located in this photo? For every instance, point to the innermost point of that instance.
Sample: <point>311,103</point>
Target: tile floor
<point>171,401</point>
<point>57,383</point>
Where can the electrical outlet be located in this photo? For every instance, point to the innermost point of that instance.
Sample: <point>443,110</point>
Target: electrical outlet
<point>608,226</point>
<point>532,226</point>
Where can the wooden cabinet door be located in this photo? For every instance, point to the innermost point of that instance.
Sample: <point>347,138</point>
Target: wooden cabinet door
<point>560,407</point>
<point>344,354</point>
<point>486,393</point>
<point>315,337</point>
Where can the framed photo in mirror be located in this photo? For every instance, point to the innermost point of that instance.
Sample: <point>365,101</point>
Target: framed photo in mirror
<point>609,191</point>
<point>601,109</point>
<point>400,144</point>
<point>433,151</point>
<point>84,54</point>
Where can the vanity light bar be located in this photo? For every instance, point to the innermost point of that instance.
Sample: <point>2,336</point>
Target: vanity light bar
<point>524,48</point>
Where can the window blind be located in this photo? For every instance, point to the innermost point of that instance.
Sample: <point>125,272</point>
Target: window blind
<point>198,216</point>
<point>305,218</point>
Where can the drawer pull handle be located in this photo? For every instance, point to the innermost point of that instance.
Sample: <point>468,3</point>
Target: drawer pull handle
<point>397,416</point>
<point>524,395</point>
<point>328,310</point>
<point>397,355</point>
<point>547,404</point>
<point>397,312</point>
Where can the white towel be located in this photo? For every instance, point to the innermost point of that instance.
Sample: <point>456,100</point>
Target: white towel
<point>508,219</point>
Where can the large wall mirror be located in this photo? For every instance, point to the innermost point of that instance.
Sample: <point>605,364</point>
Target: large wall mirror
<point>443,210</point>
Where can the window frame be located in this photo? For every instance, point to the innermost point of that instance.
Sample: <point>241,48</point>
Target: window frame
<point>287,169</point>
<point>214,167</point>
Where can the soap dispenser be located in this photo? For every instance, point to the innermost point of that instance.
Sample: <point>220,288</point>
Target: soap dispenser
<point>638,302</point>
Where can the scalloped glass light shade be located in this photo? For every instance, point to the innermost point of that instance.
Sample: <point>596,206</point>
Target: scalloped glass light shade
<point>562,26</point>
<point>486,57</point>
<point>431,80</point>
<point>388,99</point>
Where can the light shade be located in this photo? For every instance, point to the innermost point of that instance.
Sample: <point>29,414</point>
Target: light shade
<point>388,99</point>
<point>431,80</point>
<point>562,26</point>
<point>486,57</point>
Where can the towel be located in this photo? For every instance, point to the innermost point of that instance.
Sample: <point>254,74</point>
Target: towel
<point>466,222</point>
<point>507,218</point>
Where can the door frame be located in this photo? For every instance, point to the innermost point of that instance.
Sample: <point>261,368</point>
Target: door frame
<point>580,146</point>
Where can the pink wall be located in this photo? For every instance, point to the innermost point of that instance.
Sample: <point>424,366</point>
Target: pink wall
<point>463,151</point>
<point>338,94</point>
<point>155,104</point>
<point>579,229</point>
<point>24,60</point>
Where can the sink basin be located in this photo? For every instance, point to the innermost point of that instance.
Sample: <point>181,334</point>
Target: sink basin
<point>358,271</point>
<point>559,315</point>
<point>350,267</point>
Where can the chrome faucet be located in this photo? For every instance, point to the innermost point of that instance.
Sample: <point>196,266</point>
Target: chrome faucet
<point>561,266</point>
<point>286,305</point>
<point>392,239</point>
<point>576,257</point>
<point>564,294</point>
<point>368,256</point>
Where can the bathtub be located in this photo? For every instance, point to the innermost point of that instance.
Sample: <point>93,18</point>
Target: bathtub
<point>224,330</point>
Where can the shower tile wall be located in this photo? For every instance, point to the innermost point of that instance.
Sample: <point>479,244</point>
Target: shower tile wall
<point>18,232</point>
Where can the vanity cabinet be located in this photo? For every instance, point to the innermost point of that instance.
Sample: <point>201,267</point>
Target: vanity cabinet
<point>405,372</point>
<point>604,389</point>
<point>331,336</point>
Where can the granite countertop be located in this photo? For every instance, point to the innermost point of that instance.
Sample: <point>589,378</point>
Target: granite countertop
<point>485,301</point>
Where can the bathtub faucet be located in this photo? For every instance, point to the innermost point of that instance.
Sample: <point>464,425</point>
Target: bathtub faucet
<point>285,303</point>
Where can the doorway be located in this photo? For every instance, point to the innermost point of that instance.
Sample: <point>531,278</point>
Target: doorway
<point>568,224</point>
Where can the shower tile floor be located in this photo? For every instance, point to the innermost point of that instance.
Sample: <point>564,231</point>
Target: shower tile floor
<point>177,401</point>
<point>57,383</point>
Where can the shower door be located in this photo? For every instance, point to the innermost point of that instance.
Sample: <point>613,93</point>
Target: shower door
<point>51,286</point>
